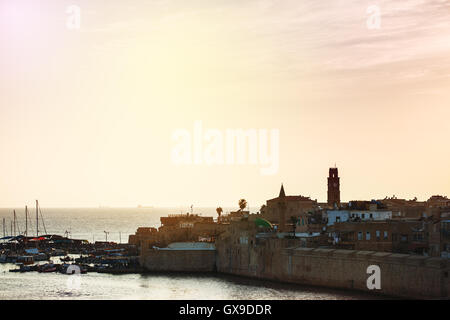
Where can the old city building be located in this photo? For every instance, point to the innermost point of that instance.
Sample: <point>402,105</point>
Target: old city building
<point>281,209</point>
<point>359,211</point>
<point>403,208</point>
<point>334,193</point>
<point>388,236</point>
<point>178,228</point>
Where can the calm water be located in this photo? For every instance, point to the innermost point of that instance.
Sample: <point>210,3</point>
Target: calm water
<point>91,223</point>
<point>33,285</point>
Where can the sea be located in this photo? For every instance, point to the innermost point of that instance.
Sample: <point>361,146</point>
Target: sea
<point>116,224</point>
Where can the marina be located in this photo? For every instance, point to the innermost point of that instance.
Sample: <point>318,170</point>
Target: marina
<point>46,253</point>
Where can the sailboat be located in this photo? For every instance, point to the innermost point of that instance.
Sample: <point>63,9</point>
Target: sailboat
<point>39,212</point>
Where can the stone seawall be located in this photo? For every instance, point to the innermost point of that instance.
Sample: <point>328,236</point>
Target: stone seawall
<point>402,275</point>
<point>179,260</point>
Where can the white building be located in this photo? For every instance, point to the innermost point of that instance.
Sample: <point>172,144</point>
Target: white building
<point>362,215</point>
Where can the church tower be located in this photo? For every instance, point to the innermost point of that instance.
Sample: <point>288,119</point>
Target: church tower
<point>334,193</point>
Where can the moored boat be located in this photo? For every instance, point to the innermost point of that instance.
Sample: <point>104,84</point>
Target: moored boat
<point>57,253</point>
<point>26,260</point>
<point>24,268</point>
<point>41,257</point>
<point>66,259</point>
<point>48,267</point>
<point>80,269</point>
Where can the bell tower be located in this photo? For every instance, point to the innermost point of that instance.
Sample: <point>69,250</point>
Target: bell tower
<point>334,193</point>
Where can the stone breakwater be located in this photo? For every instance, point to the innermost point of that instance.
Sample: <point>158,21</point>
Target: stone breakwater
<point>402,275</point>
<point>179,260</point>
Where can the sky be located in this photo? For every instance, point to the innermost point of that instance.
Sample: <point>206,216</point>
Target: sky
<point>88,113</point>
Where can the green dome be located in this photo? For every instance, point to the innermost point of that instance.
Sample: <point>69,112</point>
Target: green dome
<point>260,222</point>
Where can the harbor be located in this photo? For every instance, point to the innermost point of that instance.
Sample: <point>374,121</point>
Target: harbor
<point>115,284</point>
<point>47,253</point>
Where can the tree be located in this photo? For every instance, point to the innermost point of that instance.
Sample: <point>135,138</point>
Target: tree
<point>219,211</point>
<point>294,224</point>
<point>242,204</point>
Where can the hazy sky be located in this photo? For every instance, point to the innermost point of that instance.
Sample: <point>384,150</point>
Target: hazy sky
<point>87,115</point>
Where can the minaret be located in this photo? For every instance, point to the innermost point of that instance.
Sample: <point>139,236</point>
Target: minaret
<point>334,193</point>
<point>282,210</point>
<point>282,193</point>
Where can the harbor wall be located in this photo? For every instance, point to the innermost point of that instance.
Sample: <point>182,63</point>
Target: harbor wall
<point>402,275</point>
<point>179,260</point>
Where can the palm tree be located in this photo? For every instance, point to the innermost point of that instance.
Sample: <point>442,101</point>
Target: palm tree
<point>219,211</point>
<point>294,224</point>
<point>242,204</point>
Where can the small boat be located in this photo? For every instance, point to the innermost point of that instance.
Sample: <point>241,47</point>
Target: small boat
<point>49,267</point>
<point>41,257</point>
<point>58,253</point>
<point>24,268</point>
<point>66,259</point>
<point>80,269</point>
<point>11,259</point>
<point>20,265</point>
<point>26,260</point>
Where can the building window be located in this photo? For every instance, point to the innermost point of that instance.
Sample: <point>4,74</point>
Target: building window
<point>367,235</point>
<point>418,236</point>
<point>371,216</point>
<point>385,235</point>
<point>338,219</point>
<point>404,238</point>
<point>360,236</point>
<point>363,216</point>
<point>378,234</point>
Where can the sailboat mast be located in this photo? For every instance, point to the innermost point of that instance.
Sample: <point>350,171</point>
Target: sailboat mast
<point>14,222</point>
<point>26,221</point>
<point>4,230</point>
<point>37,220</point>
